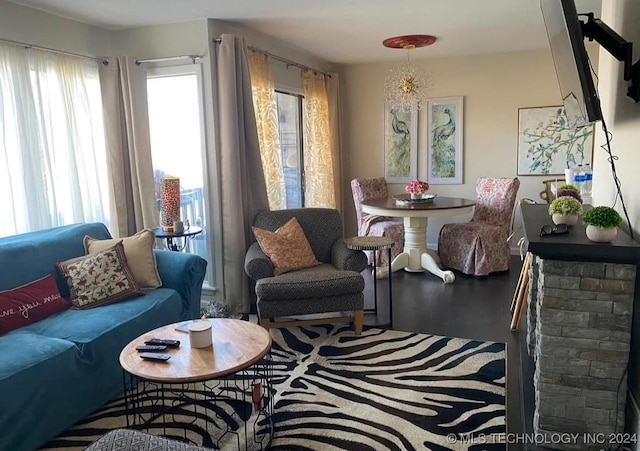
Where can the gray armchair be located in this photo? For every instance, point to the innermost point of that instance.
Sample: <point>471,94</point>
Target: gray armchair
<point>335,285</point>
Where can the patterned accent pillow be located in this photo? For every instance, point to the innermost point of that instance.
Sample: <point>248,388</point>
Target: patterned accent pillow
<point>99,279</point>
<point>139,251</point>
<point>30,303</point>
<point>287,247</point>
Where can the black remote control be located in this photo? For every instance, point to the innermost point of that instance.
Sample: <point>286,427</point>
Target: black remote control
<point>154,348</point>
<point>161,341</point>
<point>153,356</point>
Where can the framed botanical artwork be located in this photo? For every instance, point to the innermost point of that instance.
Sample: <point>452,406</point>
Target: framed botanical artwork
<point>445,134</point>
<point>547,145</point>
<point>400,144</point>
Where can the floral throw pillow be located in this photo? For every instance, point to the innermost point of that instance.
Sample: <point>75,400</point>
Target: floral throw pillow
<point>287,247</point>
<point>99,279</point>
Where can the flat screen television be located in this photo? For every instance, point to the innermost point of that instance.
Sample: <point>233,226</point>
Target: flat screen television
<point>579,95</point>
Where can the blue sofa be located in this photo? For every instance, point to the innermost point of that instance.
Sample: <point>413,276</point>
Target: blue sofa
<point>58,370</point>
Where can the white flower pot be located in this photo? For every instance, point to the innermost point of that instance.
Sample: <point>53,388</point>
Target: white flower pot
<point>564,219</point>
<point>599,235</point>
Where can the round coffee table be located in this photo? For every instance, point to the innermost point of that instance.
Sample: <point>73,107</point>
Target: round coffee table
<point>230,381</point>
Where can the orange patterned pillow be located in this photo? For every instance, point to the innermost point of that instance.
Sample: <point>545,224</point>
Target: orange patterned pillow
<point>287,247</point>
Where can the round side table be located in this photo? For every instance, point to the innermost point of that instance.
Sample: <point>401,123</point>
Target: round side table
<point>375,244</point>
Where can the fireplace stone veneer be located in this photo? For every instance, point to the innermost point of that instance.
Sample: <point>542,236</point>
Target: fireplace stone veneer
<point>579,329</point>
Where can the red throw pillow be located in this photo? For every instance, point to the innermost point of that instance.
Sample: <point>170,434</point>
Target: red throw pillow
<point>30,303</point>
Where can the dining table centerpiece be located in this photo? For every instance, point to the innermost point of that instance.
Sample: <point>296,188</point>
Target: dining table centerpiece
<point>416,189</point>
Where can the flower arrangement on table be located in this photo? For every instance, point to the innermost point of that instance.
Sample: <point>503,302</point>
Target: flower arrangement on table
<point>416,188</point>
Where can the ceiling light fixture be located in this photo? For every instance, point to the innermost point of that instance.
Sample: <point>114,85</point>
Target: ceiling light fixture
<point>406,86</point>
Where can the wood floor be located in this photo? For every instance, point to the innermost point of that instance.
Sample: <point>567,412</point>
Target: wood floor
<point>471,307</point>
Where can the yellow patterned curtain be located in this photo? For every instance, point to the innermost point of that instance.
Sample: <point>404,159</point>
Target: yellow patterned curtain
<point>266,110</point>
<point>318,155</point>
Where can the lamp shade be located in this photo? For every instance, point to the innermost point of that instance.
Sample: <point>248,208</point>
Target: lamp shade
<point>170,194</point>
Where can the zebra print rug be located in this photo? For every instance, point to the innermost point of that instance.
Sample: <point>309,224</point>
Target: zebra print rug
<point>383,390</point>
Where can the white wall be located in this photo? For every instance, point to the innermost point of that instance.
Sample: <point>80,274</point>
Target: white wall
<point>494,87</point>
<point>623,120</point>
<point>34,27</point>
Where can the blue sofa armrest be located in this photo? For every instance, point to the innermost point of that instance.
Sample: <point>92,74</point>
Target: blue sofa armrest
<point>185,274</point>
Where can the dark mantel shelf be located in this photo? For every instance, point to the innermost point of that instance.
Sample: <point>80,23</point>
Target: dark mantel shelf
<point>574,246</point>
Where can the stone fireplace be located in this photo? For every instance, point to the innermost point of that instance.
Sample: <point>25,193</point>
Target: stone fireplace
<point>578,332</point>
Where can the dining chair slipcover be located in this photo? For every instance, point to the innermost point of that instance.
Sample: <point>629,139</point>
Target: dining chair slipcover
<point>481,246</point>
<point>373,225</point>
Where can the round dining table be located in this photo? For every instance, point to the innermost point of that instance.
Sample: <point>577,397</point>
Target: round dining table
<point>415,256</point>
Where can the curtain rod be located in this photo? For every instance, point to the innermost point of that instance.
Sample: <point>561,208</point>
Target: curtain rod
<point>48,49</point>
<point>288,62</point>
<point>193,59</point>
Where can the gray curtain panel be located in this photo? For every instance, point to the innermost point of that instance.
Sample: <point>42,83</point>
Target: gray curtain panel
<point>126,118</point>
<point>242,185</point>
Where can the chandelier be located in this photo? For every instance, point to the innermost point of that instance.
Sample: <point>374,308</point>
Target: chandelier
<point>407,86</point>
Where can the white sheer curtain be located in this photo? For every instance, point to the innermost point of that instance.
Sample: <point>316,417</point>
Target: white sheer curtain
<point>52,151</point>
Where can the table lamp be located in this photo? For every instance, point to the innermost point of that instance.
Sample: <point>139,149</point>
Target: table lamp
<point>170,195</point>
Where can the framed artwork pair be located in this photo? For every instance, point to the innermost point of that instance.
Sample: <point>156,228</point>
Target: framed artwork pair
<point>444,148</point>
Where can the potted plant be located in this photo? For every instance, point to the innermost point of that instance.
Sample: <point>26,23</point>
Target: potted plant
<point>565,210</point>
<point>569,186</point>
<point>602,224</point>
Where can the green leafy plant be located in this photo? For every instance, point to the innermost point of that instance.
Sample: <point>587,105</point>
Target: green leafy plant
<point>569,186</point>
<point>602,217</point>
<point>566,206</point>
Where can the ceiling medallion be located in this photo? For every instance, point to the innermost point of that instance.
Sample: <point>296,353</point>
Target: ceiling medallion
<point>407,87</point>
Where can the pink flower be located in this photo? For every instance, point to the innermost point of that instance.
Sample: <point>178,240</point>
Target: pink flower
<point>416,187</point>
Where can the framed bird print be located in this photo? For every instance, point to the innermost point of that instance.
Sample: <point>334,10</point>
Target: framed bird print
<point>444,141</point>
<point>547,145</point>
<point>400,144</point>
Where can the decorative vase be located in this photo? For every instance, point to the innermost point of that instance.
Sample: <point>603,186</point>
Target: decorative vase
<point>595,233</point>
<point>415,196</point>
<point>564,219</point>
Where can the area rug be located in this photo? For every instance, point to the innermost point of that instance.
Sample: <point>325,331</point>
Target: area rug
<point>383,390</point>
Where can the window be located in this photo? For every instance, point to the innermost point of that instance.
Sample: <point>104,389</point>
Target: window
<point>290,125</point>
<point>52,143</point>
<point>175,126</point>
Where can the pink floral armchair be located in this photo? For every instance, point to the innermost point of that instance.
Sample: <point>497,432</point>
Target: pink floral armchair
<point>481,247</point>
<point>373,225</point>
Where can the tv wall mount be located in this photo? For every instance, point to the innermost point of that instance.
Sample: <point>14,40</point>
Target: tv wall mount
<point>595,29</point>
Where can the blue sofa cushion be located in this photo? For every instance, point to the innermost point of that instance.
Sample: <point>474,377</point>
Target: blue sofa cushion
<point>33,370</point>
<point>33,255</point>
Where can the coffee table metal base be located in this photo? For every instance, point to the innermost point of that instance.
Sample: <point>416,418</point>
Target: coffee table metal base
<point>230,412</point>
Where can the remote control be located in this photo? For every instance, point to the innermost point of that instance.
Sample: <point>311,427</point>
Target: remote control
<point>161,341</point>
<point>145,348</point>
<point>153,356</point>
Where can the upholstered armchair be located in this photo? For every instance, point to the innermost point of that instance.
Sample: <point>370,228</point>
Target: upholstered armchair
<point>372,225</point>
<point>481,247</point>
<point>333,285</point>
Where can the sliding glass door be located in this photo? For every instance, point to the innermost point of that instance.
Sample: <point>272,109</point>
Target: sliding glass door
<point>176,129</point>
